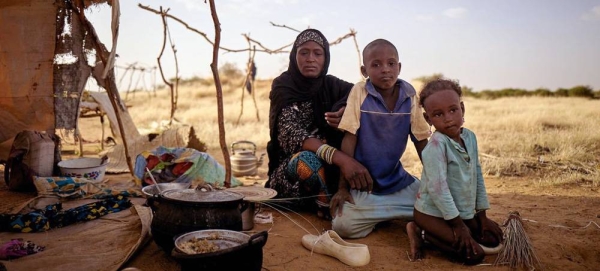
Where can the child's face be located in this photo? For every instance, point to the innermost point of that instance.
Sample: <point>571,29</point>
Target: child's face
<point>444,110</point>
<point>310,57</point>
<point>381,65</point>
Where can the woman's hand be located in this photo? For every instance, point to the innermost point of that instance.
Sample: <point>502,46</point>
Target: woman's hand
<point>333,118</point>
<point>336,205</point>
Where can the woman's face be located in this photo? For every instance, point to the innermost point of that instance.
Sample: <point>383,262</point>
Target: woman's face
<point>310,57</point>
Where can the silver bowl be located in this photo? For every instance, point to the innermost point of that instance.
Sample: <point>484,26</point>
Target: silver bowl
<point>150,190</point>
<point>224,239</point>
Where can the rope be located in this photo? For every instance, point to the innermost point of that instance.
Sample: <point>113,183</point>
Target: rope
<point>566,227</point>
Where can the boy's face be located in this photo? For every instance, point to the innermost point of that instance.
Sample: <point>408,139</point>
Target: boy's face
<point>381,65</point>
<point>444,110</point>
<point>310,57</point>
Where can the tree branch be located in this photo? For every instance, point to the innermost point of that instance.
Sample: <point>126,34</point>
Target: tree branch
<point>284,26</point>
<point>204,34</point>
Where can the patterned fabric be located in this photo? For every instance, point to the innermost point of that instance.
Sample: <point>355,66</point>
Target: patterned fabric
<point>309,170</point>
<point>181,165</point>
<point>300,173</point>
<point>72,187</point>
<point>54,217</point>
<point>309,35</point>
<point>17,248</point>
<point>297,107</point>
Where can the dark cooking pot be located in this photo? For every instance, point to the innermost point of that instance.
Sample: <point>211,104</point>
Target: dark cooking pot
<point>238,251</point>
<point>186,210</point>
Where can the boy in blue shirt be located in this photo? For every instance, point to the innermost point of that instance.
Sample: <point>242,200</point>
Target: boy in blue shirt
<point>381,114</point>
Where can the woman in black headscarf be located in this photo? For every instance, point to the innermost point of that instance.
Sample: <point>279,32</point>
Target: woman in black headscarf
<point>306,106</point>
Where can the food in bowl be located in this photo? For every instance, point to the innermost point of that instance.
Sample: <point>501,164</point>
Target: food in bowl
<point>208,241</point>
<point>201,245</point>
<point>90,168</point>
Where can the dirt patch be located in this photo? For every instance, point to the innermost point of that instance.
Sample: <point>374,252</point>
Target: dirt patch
<point>561,221</point>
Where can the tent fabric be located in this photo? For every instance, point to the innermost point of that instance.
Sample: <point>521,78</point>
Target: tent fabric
<point>105,243</point>
<point>26,68</point>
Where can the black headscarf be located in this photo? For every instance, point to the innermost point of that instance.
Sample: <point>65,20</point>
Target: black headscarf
<point>327,93</point>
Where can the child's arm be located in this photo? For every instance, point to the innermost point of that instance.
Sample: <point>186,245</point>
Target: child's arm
<point>419,146</point>
<point>419,128</point>
<point>482,203</point>
<point>487,225</point>
<point>462,236</point>
<point>435,178</point>
<point>352,175</point>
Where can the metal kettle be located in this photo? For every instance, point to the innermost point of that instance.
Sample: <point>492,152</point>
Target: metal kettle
<point>243,160</point>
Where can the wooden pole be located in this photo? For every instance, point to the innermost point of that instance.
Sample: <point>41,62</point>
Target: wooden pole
<point>215,72</point>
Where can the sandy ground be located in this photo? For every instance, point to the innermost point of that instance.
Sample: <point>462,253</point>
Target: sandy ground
<point>562,223</point>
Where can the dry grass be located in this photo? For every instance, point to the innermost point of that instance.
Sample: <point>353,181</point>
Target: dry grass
<point>555,141</point>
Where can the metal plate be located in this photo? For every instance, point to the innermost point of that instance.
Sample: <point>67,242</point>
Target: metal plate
<point>255,193</point>
<point>194,195</point>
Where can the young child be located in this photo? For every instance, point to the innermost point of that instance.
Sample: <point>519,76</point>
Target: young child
<point>380,116</point>
<point>452,201</point>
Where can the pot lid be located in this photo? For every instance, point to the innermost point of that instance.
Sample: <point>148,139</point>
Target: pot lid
<point>255,193</point>
<point>194,195</point>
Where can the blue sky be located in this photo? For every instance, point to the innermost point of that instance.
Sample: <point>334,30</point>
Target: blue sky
<point>484,44</point>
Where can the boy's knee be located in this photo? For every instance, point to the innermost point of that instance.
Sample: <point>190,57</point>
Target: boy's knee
<point>338,224</point>
<point>345,227</point>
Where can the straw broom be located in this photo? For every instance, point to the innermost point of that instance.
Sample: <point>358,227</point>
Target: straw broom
<point>518,249</point>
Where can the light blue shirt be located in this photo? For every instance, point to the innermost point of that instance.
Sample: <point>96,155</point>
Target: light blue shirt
<point>451,183</point>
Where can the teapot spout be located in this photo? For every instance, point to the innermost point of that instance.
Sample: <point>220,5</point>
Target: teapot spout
<point>260,160</point>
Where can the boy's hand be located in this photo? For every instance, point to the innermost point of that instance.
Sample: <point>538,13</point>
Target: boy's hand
<point>357,176</point>
<point>336,205</point>
<point>333,118</point>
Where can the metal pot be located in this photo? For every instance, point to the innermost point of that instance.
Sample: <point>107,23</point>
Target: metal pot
<point>243,161</point>
<point>238,251</point>
<point>187,210</point>
<point>248,216</point>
